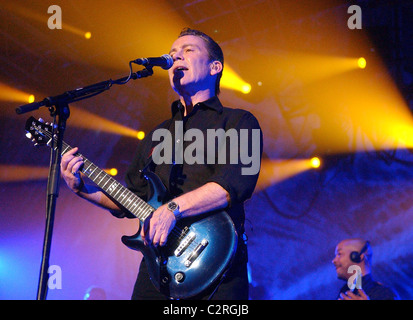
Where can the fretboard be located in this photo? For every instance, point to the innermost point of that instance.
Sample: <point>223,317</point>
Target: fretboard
<point>126,198</point>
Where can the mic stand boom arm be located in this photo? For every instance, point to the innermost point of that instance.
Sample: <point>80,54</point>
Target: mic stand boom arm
<point>59,107</point>
<point>83,93</point>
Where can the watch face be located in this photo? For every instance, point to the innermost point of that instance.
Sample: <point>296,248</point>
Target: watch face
<point>172,206</point>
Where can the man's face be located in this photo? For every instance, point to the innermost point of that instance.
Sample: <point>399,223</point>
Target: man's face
<point>342,260</point>
<point>192,68</point>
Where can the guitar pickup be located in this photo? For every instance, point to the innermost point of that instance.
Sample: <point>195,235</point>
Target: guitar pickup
<point>192,257</point>
<point>184,244</point>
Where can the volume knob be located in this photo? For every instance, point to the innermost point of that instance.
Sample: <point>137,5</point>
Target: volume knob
<point>179,277</point>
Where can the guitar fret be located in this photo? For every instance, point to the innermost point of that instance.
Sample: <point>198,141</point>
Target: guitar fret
<point>127,201</point>
<point>90,175</point>
<point>100,181</point>
<point>107,180</point>
<point>64,151</point>
<point>86,169</point>
<point>131,202</point>
<point>136,210</point>
<point>121,195</point>
<point>137,206</point>
<point>112,186</point>
<point>131,205</point>
<point>118,190</point>
<point>147,213</point>
<point>96,175</point>
<point>144,213</point>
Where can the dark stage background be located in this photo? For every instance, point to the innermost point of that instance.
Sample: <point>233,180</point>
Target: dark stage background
<point>289,51</point>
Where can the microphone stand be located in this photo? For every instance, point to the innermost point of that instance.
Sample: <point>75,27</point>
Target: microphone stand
<point>59,107</point>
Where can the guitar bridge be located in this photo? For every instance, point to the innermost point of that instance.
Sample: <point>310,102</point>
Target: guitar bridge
<point>197,251</point>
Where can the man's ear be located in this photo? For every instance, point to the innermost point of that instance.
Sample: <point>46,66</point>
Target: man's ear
<point>216,67</point>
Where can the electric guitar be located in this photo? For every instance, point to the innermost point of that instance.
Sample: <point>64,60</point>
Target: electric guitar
<point>198,250</point>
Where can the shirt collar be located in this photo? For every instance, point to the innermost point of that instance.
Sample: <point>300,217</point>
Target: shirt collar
<point>212,103</point>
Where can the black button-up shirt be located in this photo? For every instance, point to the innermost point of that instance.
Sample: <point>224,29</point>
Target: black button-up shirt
<point>179,176</point>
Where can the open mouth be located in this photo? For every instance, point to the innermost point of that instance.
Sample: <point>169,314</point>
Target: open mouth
<point>180,69</point>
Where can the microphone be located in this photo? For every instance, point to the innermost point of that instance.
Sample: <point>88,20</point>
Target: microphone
<point>165,62</point>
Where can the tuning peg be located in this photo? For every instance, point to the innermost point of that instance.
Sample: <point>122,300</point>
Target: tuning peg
<point>29,135</point>
<point>41,120</point>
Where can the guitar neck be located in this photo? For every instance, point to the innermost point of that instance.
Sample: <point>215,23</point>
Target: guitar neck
<point>122,195</point>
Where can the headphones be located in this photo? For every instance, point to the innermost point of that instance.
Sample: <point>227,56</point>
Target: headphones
<point>356,256</point>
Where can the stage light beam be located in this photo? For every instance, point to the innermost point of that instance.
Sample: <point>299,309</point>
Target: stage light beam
<point>275,171</point>
<point>8,93</point>
<point>231,80</point>
<point>30,14</point>
<point>83,119</point>
<point>16,173</point>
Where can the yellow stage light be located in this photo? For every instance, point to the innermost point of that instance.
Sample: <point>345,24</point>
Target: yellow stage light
<point>112,171</point>
<point>88,35</point>
<point>140,135</point>
<point>315,162</point>
<point>246,88</point>
<point>31,98</point>
<point>361,62</point>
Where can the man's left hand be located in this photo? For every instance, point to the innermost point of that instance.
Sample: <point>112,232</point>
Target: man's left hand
<point>348,295</point>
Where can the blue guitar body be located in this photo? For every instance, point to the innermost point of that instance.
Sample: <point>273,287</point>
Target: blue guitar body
<point>197,253</point>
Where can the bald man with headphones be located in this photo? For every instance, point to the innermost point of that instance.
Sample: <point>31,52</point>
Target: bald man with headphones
<point>353,263</point>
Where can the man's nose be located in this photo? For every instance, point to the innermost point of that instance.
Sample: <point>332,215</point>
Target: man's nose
<point>178,55</point>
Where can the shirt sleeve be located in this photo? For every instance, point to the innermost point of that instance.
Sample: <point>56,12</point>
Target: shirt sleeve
<point>239,173</point>
<point>134,180</point>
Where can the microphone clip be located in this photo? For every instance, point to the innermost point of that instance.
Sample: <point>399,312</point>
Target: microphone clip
<point>147,72</point>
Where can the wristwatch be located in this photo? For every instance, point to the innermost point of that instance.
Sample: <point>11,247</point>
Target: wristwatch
<point>174,208</point>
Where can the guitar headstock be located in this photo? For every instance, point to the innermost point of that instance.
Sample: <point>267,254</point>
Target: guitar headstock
<point>38,131</point>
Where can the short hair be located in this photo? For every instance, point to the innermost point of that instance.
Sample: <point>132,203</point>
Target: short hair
<point>214,50</point>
